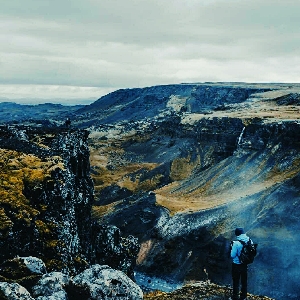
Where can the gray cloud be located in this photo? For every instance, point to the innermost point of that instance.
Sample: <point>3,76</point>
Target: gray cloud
<point>112,44</point>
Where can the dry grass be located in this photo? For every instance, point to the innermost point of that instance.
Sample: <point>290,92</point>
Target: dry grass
<point>197,291</point>
<point>182,168</point>
<point>103,153</point>
<point>177,199</point>
<point>99,211</point>
<point>263,107</point>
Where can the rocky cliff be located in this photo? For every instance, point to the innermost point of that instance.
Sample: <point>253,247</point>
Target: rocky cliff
<point>46,197</point>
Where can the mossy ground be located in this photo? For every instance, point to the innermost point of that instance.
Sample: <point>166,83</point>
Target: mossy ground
<point>197,291</point>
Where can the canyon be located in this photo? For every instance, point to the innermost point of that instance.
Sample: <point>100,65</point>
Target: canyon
<point>163,174</point>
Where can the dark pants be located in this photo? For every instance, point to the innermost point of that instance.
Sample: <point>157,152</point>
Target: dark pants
<point>239,274</point>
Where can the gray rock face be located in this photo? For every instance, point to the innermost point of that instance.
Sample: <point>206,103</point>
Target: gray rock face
<point>51,287</point>
<point>102,282</point>
<point>34,264</point>
<point>13,291</point>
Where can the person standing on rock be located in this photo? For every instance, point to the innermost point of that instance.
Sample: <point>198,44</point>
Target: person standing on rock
<point>239,270</point>
<point>68,123</point>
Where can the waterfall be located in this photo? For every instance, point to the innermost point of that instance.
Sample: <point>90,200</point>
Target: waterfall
<point>241,136</point>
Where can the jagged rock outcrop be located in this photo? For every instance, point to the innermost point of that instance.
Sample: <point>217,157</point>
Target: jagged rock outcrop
<point>47,195</point>
<point>110,248</point>
<point>46,198</point>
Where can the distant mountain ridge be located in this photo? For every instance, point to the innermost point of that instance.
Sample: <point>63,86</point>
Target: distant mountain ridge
<point>152,102</point>
<point>149,102</point>
<point>14,112</point>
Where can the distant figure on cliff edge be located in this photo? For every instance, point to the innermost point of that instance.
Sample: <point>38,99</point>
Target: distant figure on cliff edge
<point>68,123</point>
<point>239,270</point>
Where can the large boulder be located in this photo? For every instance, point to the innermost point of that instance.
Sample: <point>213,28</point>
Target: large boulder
<point>25,271</point>
<point>103,282</point>
<point>51,286</point>
<point>13,291</point>
<point>19,267</point>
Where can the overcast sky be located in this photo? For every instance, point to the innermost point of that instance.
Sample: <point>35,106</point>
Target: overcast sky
<point>82,49</point>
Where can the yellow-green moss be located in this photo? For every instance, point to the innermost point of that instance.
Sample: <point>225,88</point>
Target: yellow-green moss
<point>42,227</point>
<point>16,168</point>
<point>5,223</point>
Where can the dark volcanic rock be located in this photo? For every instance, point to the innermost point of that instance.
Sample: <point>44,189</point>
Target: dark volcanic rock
<point>57,227</point>
<point>112,249</point>
<point>136,216</point>
<point>289,99</point>
<point>111,194</point>
<point>46,200</point>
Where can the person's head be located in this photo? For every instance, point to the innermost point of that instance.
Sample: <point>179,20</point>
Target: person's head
<point>238,231</point>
